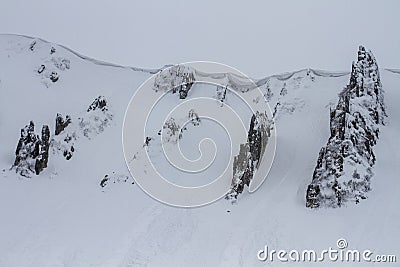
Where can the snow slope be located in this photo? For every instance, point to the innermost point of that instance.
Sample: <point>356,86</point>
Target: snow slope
<point>63,217</point>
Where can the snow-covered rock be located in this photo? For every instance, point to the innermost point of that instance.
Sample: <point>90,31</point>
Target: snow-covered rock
<point>32,153</point>
<point>250,154</point>
<point>345,165</point>
<point>177,78</point>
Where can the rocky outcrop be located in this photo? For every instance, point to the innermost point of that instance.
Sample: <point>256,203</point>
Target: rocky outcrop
<point>176,78</point>
<point>43,157</point>
<point>97,118</point>
<point>32,153</point>
<point>250,154</point>
<point>344,166</point>
<point>100,103</point>
<point>61,124</point>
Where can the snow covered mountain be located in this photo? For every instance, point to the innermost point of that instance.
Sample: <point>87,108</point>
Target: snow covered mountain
<point>81,207</point>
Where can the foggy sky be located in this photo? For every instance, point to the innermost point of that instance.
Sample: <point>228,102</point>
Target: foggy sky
<point>257,37</point>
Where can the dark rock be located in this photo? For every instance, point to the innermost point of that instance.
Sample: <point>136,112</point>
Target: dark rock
<point>99,103</point>
<point>32,152</point>
<point>312,196</point>
<point>187,83</point>
<point>41,68</point>
<point>43,157</point>
<point>61,124</point>
<point>147,141</point>
<point>68,154</point>
<point>32,45</point>
<point>104,181</point>
<point>54,76</point>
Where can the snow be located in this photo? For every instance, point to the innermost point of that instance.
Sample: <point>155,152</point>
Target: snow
<point>64,218</point>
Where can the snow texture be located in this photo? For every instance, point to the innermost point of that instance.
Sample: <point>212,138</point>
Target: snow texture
<point>87,211</point>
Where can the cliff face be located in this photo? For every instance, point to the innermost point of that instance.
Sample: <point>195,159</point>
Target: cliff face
<point>250,154</point>
<point>32,153</point>
<point>344,166</point>
<point>179,78</point>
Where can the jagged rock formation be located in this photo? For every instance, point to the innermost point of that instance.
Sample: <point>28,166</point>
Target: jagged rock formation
<point>61,124</point>
<point>54,76</point>
<point>99,103</point>
<point>344,166</point>
<point>250,154</point>
<point>94,122</point>
<point>98,118</point>
<point>178,78</point>
<point>32,153</point>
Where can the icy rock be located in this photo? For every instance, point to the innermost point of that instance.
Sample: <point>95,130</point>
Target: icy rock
<point>250,154</point>
<point>54,76</point>
<point>176,78</point>
<point>344,165</point>
<point>43,157</point>
<point>98,118</point>
<point>32,153</point>
<point>99,103</point>
<point>61,124</point>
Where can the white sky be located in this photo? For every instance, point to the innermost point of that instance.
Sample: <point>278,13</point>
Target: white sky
<point>257,37</point>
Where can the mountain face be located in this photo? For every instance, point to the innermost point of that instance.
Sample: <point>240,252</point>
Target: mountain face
<point>181,78</point>
<point>178,78</point>
<point>84,208</point>
<point>345,165</point>
<point>250,154</point>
